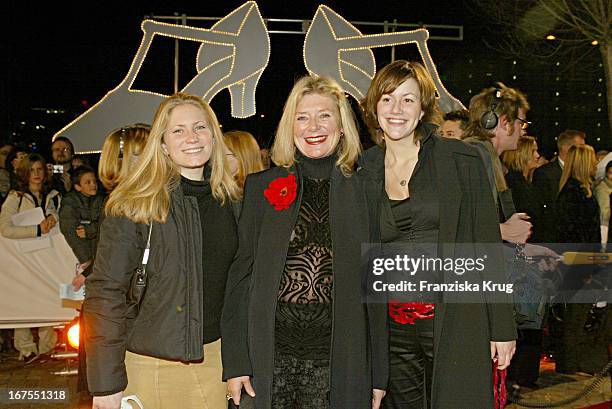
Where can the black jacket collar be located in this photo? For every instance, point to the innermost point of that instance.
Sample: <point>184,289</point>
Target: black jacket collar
<point>373,162</point>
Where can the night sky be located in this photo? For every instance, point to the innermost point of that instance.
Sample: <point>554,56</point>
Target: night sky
<point>66,55</point>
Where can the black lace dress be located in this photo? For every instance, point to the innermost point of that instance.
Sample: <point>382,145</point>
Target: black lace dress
<point>303,327</point>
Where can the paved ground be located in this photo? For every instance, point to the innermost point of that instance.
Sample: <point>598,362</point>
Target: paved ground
<point>38,375</point>
<point>553,386</point>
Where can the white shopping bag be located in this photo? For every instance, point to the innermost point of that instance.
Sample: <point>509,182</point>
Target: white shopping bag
<point>125,404</point>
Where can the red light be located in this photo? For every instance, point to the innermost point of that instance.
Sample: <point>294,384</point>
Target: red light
<point>73,335</point>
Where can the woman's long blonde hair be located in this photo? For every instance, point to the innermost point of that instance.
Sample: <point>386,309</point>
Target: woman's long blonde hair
<point>283,150</point>
<point>244,146</point>
<point>579,165</point>
<point>115,162</point>
<point>144,194</point>
<point>518,160</point>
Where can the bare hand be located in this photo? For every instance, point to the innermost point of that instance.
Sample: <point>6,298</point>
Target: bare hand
<point>44,227</point>
<point>235,385</point>
<point>107,402</point>
<point>78,281</point>
<point>502,352</point>
<point>516,229</point>
<point>80,231</point>
<point>377,397</point>
<point>51,222</point>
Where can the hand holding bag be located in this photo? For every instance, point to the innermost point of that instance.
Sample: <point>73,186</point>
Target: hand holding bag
<point>500,394</point>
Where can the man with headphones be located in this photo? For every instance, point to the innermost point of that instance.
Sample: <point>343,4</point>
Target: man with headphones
<point>497,121</point>
<point>498,118</point>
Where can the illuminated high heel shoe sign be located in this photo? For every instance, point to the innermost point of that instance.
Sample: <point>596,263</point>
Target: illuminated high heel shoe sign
<point>234,53</point>
<point>334,47</point>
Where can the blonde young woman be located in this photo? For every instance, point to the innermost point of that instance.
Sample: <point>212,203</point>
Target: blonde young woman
<point>296,332</point>
<point>521,163</point>
<point>170,351</point>
<point>576,208</point>
<point>120,150</point>
<point>244,155</point>
<point>582,349</point>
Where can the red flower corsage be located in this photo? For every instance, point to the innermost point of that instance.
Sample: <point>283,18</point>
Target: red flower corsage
<point>281,192</point>
<point>406,313</point>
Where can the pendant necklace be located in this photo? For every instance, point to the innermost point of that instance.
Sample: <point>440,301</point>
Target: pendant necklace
<point>402,182</point>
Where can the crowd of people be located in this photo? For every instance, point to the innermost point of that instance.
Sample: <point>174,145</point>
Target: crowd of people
<point>254,277</point>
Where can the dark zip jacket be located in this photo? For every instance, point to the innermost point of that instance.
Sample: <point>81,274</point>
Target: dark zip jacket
<point>170,322</point>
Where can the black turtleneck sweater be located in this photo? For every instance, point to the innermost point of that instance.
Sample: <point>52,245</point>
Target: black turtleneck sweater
<point>219,244</point>
<point>304,307</point>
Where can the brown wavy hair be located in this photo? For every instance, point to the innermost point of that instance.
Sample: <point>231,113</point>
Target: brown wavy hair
<point>24,169</point>
<point>386,81</point>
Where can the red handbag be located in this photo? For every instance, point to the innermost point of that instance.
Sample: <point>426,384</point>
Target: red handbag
<point>500,395</point>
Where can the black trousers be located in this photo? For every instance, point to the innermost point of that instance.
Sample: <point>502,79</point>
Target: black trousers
<point>525,367</point>
<point>410,365</point>
<point>300,383</point>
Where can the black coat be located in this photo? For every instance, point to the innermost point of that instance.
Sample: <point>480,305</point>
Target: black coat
<point>359,350</point>
<point>577,216</point>
<point>526,199</point>
<point>546,182</point>
<point>462,373</point>
<point>169,324</point>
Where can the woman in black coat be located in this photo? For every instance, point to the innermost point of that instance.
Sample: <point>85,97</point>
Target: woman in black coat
<point>296,332</point>
<point>521,164</point>
<point>576,208</point>
<point>583,349</point>
<point>435,190</point>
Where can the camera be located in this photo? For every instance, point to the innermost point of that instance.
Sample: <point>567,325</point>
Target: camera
<point>58,168</point>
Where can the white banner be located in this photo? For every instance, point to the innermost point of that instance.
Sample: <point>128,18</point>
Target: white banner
<point>30,281</point>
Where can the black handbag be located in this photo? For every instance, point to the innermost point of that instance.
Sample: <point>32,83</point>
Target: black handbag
<point>138,284</point>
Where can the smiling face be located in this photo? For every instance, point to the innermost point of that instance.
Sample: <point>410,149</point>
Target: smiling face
<point>88,185</point>
<point>188,140</point>
<point>316,126</point>
<point>400,111</point>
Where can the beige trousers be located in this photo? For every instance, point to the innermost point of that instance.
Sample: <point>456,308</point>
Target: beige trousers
<point>24,341</point>
<point>162,384</point>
